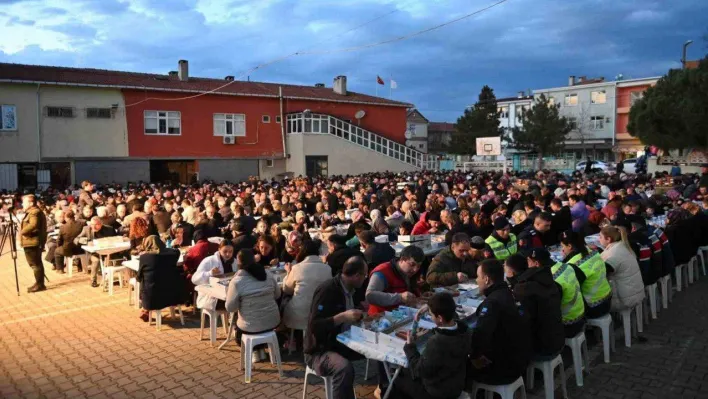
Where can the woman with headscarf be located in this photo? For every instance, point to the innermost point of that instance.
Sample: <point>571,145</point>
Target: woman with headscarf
<point>357,221</point>
<point>292,247</point>
<point>159,277</point>
<point>278,239</point>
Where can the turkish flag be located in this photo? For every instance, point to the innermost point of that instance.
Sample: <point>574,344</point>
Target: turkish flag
<point>379,80</point>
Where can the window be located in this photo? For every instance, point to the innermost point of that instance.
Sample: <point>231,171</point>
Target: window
<point>103,113</point>
<point>598,97</point>
<point>163,122</point>
<point>520,109</point>
<point>60,112</point>
<point>8,117</point>
<point>266,118</point>
<point>551,101</point>
<point>269,163</point>
<point>635,96</point>
<point>597,122</point>
<point>571,100</point>
<point>230,125</point>
<point>573,123</point>
<point>277,119</point>
<point>503,111</point>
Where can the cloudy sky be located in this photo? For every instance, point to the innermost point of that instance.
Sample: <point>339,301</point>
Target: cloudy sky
<point>517,45</point>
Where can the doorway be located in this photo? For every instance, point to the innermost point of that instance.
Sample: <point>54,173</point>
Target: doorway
<point>175,172</point>
<point>316,166</point>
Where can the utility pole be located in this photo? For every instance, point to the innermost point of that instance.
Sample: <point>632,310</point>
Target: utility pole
<point>683,56</point>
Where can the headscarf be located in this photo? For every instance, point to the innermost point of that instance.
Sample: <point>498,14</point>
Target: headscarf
<point>356,216</point>
<point>380,226</point>
<point>375,214</point>
<point>153,245</point>
<point>292,246</point>
<point>676,215</point>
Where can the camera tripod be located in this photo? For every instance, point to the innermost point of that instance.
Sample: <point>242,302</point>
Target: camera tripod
<point>10,235</point>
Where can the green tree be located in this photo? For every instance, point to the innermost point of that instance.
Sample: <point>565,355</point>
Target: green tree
<point>481,120</point>
<point>672,114</point>
<point>543,129</point>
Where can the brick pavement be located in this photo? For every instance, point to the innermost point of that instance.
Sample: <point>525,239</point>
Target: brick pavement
<point>75,341</point>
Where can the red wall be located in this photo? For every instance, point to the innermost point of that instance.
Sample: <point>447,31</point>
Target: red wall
<point>623,101</point>
<point>198,141</point>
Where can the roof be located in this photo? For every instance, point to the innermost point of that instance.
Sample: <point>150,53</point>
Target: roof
<point>441,127</point>
<point>89,77</point>
<point>414,114</point>
<point>512,99</point>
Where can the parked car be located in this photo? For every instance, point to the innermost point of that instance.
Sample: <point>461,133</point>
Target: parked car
<point>596,165</point>
<point>630,166</point>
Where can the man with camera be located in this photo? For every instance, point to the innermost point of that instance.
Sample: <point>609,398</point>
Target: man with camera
<point>33,237</point>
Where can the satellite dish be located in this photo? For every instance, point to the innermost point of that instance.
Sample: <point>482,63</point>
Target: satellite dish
<point>407,134</point>
<point>360,114</point>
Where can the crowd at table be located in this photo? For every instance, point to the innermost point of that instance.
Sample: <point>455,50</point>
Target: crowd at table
<point>544,251</point>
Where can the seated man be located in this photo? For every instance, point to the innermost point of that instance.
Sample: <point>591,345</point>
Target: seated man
<point>94,231</point>
<point>533,285</point>
<point>501,340</point>
<point>375,253</point>
<point>440,372</point>
<point>65,241</point>
<point>539,234</point>
<point>502,243</point>
<point>332,312</point>
<point>452,265</point>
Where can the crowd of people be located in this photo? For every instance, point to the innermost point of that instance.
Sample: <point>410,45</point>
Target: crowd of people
<point>500,230</point>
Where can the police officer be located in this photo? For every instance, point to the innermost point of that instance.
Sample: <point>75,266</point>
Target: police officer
<point>537,235</point>
<point>501,244</point>
<point>572,307</point>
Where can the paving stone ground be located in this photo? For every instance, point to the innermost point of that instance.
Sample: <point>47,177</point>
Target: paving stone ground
<point>75,341</point>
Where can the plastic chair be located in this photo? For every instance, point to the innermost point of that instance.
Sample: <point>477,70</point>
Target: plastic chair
<point>651,291</point>
<point>213,322</point>
<point>133,292</point>
<point>665,290</point>
<point>69,263</point>
<point>505,391</point>
<point>627,323</point>
<point>604,323</point>
<point>249,341</point>
<point>680,270</point>
<point>547,367</point>
<point>577,346</point>
<point>701,256</point>
<point>110,272</point>
<point>158,316</point>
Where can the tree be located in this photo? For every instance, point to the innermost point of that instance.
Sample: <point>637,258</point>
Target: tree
<point>481,120</point>
<point>672,114</point>
<point>543,129</point>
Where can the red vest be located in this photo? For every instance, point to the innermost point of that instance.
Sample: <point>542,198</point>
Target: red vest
<point>395,284</point>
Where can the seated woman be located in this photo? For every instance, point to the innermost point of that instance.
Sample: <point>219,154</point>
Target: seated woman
<point>138,231</point>
<point>292,247</point>
<point>622,269</point>
<point>302,280</point>
<point>161,280</point>
<point>252,293</point>
<point>265,252</point>
<point>220,263</point>
<point>277,235</point>
<point>194,257</point>
<point>591,273</point>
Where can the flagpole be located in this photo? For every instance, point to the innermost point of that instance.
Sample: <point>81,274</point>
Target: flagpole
<point>377,86</point>
<point>390,87</point>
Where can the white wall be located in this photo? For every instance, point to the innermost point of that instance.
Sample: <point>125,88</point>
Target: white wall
<point>267,173</point>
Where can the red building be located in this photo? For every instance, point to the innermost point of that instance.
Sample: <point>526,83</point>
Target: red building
<point>628,91</point>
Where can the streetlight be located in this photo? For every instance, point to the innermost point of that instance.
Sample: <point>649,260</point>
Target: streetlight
<point>685,46</point>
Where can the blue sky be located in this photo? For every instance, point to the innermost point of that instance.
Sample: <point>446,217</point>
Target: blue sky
<point>518,45</point>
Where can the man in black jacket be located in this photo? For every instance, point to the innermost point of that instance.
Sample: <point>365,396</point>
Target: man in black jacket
<point>243,238</point>
<point>375,253</point>
<point>65,241</point>
<point>533,285</point>
<point>94,231</point>
<point>339,252</point>
<point>333,311</point>
<point>561,220</point>
<point>501,341</point>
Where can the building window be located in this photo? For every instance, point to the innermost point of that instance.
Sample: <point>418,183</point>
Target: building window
<point>277,119</point>
<point>597,122</point>
<point>230,125</point>
<point>60,112</point>
<point>266,119</point>
<point>269,163</point>
<point>101,113</point>
<point>8,117</point>
<point>635,96</point>
<point>551,101</point>
<point>571,100</point>
<point>520,109</point>
<point>573,121</point>
<point>503,111</point>
<point>598,97</point>
<point>163,122</point>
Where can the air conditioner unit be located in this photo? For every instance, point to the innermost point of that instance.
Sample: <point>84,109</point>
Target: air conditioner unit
<point>231,140</point>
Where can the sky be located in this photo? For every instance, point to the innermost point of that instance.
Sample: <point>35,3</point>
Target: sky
<point>514,46</point>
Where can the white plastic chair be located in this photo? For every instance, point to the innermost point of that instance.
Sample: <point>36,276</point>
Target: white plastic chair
<point>581,361</point>
<point>680,270</point>
<point>506,391</point>
<point>626,315</point>
<point>158,316</point>
<point>329,387</point>
<point>69,263</point>
<point>547,367</point>
<point>213,323</point>
<point>134,292</point>
<point>665,283</point>
<point>249,341</point>
<point>701,256</point>
<point>109,273</point>
<point>651,291</point>
<point>604,323</point>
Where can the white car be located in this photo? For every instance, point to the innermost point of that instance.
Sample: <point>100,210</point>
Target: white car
<point>602,166</point>
<point>630,166</point>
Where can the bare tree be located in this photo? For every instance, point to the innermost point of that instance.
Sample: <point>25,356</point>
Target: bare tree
<point>582,126</point>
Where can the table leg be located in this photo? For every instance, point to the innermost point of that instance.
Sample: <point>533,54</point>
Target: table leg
<point>232,322</point>
<point>137,293</point>
<point>109,275</point>
<point>391,381</point>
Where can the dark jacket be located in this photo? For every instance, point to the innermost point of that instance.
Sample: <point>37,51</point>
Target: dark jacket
<point>501,335</point>
<point>89,235</point>
<point>561,221</point>
<point>160,222</point>
<point>378,253</point>
<point>336,259</point>
<point>327,302</point>
<point>683,240</point>
<point>699,223</point>
<point>541,300</point>
<point>161,280</point>
<point>244,241</point>
<point>445,266</point>
<point>67,233</point>
<point>33,228</point>
<point>443,367</point>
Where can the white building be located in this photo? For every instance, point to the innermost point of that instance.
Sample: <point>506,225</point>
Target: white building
<point>417,131</point>
<point>510,111</point>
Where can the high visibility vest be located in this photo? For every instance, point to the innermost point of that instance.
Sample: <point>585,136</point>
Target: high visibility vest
<point>501,250</point>
<point>596,289</point>
<point>572,306</point>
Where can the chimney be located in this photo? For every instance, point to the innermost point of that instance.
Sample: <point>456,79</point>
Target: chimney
<point>173,74</point>
<point>571,80</point>
<point>183,70</point>
<point>319,85</point>
<point>582,79</point>
<point>229,78</point>
<point>521,94</point>
<point>340,85</point>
